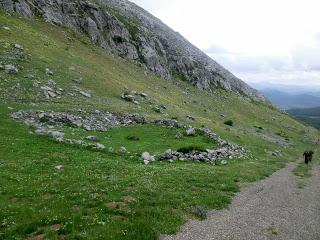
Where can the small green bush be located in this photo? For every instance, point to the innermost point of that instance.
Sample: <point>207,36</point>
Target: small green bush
<point>190,149</point>
<point>133,138</point>
<point>156,109</point>
<point>229,123</point>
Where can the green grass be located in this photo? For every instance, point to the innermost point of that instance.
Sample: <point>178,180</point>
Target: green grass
<point>303,171</point>
<point>151,138</point>
<point>34,196</point>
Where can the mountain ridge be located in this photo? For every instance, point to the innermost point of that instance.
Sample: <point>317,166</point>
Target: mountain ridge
<point>127,30</point>
<point>295,100</point>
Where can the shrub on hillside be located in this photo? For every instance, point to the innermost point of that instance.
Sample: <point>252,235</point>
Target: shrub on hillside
<point>189,149</point>
<point>133,138</point>
<point>229,123</point>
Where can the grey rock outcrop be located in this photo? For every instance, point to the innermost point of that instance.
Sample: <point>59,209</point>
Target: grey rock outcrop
<point>127,30</point>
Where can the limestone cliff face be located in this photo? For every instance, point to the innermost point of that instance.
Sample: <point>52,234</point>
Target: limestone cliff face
<point>127,30</point>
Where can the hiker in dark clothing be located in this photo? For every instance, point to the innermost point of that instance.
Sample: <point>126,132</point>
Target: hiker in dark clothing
<point>308,156</point>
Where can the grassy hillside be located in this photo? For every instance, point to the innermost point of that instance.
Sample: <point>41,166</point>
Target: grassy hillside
<point>101,195</point>
<point>310,116</point>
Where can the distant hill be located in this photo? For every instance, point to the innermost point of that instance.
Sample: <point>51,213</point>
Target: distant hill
<point>311,116</point>
<point>286,100</point>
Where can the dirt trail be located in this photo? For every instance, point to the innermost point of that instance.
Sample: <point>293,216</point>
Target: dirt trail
<point>273,208</point>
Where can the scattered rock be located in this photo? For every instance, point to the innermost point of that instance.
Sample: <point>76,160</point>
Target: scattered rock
<point>92,138</point>
<point>99,146</point>
<point>129,98</point>
<point>146,156</point>
<point>18,46</point>
<point>122,150</point>
<point>111,150</point>
<point>275,153</point>
<point>189,117</point>
<point>224,162</point>
<point>51,94</point>
<point>48,72</point>
<point>169,123</point>
<point>179,135</point>
<point>97,121</point>
<point>163,106</point>
<point>85,94</point>
<point>191,132</point>
<point>59,167</point>
<point>52,82</point>
<point>58,136</point>
<point>29,76</point>
<point>167,154</point>
<point>40,131</point>
<point>11,69</point>
<point>144,95</point>
<point>6,28</point>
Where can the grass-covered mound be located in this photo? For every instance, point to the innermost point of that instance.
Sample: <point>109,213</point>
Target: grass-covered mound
<point>146,138</point>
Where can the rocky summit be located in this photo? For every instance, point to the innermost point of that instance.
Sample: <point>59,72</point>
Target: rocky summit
<point>128,31</point>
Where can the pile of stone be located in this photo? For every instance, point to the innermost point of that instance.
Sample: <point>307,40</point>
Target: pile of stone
<point>96,121</point>
<point>60,137</point>
<point>275,153</point>
<point>171,123</point>
<point>129,98</point>
<point>49,123</point>
<point>226,150</point>
<point>50,90</point>
<point>78,91</point>
<point>212,156</point>
<point>191,131</point>
<point>10,68</point>
<point>147,158</point>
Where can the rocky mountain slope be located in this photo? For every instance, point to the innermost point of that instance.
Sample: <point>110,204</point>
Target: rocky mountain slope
<point>130,32</point>
<point>79,125</point>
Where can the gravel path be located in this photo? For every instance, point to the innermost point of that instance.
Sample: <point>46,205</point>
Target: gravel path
<point>270,209</point>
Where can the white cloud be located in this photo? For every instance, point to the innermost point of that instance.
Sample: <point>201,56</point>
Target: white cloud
<point>267,40</point>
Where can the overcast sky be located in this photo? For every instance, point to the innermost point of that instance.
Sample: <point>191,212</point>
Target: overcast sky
<point>275,41</point>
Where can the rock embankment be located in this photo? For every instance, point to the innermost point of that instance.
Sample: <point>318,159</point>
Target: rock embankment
<point>52,124</point>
